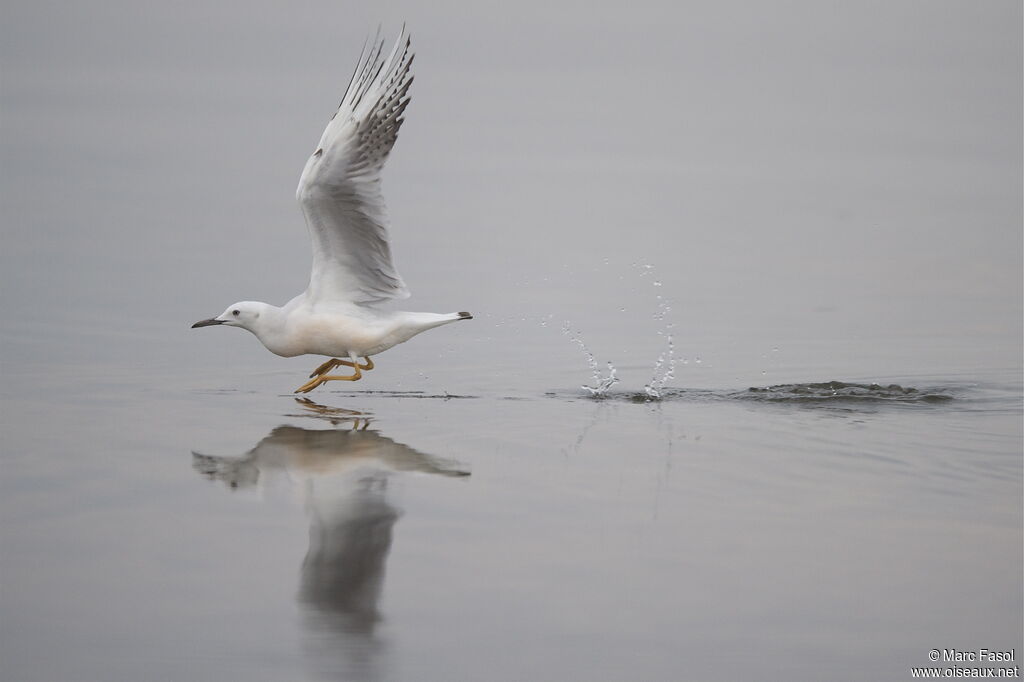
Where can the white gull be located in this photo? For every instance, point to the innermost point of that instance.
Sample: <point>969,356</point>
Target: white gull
<point>340,195</point>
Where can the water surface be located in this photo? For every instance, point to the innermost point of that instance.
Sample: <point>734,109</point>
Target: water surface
<point>820,206</point>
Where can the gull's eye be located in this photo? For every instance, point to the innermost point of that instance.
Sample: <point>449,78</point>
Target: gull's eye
<point>235,313</point>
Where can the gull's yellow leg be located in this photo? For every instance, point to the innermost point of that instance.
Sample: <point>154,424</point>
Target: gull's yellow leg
<point>313,383</point>
<point>334,362</point>
<point>328,366</point>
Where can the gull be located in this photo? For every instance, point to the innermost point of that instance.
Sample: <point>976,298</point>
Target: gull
<point>340,195</point>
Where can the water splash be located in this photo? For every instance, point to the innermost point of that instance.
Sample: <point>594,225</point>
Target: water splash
<point>602,382</point>
<point>665,365</point>
<point>664,371</point>
<point>601,385</point>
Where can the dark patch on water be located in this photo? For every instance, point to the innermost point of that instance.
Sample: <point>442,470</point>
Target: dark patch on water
<point>826,393</point>
<point>842,391</point>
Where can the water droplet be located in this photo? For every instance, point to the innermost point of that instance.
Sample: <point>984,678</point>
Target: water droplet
<point>622,310</point>
<point>656,283</point>
<point>697,360</point>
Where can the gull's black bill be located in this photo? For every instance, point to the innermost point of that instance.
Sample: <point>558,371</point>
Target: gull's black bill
<point>207,323</point>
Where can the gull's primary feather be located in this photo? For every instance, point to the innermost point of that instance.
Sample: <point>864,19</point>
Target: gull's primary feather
<point>340,187</point>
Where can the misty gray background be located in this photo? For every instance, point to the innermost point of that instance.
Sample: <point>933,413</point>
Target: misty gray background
<point>821,190</point>
<point>798,173</point>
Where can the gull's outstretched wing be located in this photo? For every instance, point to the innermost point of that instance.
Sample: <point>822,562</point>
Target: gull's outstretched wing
<point>340,187</point>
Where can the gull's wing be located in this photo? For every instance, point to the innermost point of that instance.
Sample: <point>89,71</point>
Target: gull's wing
<point>340,188</point>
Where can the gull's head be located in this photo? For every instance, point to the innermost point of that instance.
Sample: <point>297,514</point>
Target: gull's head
<point>244,314</point>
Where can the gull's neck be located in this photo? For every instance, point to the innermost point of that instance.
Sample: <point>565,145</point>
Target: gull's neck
<point>270,327</point>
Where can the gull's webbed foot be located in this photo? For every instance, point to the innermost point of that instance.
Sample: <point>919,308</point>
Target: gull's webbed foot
<point>308,386</point>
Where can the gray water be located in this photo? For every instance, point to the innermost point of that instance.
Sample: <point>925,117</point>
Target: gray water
<point>827,201</point>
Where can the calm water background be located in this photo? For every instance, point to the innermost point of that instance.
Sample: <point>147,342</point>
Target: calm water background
<point>821,192</point>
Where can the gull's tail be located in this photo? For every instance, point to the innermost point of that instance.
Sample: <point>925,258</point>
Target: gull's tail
<point>408,325</point>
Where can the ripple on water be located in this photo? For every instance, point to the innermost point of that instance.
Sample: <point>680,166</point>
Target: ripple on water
<point>825,393</point>
<point>842,391</point>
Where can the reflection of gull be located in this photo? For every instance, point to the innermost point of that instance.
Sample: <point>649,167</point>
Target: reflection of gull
<point>343,575</point>
<point>344,475</point>
<point>340,195</point>
<point>314,452</point>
